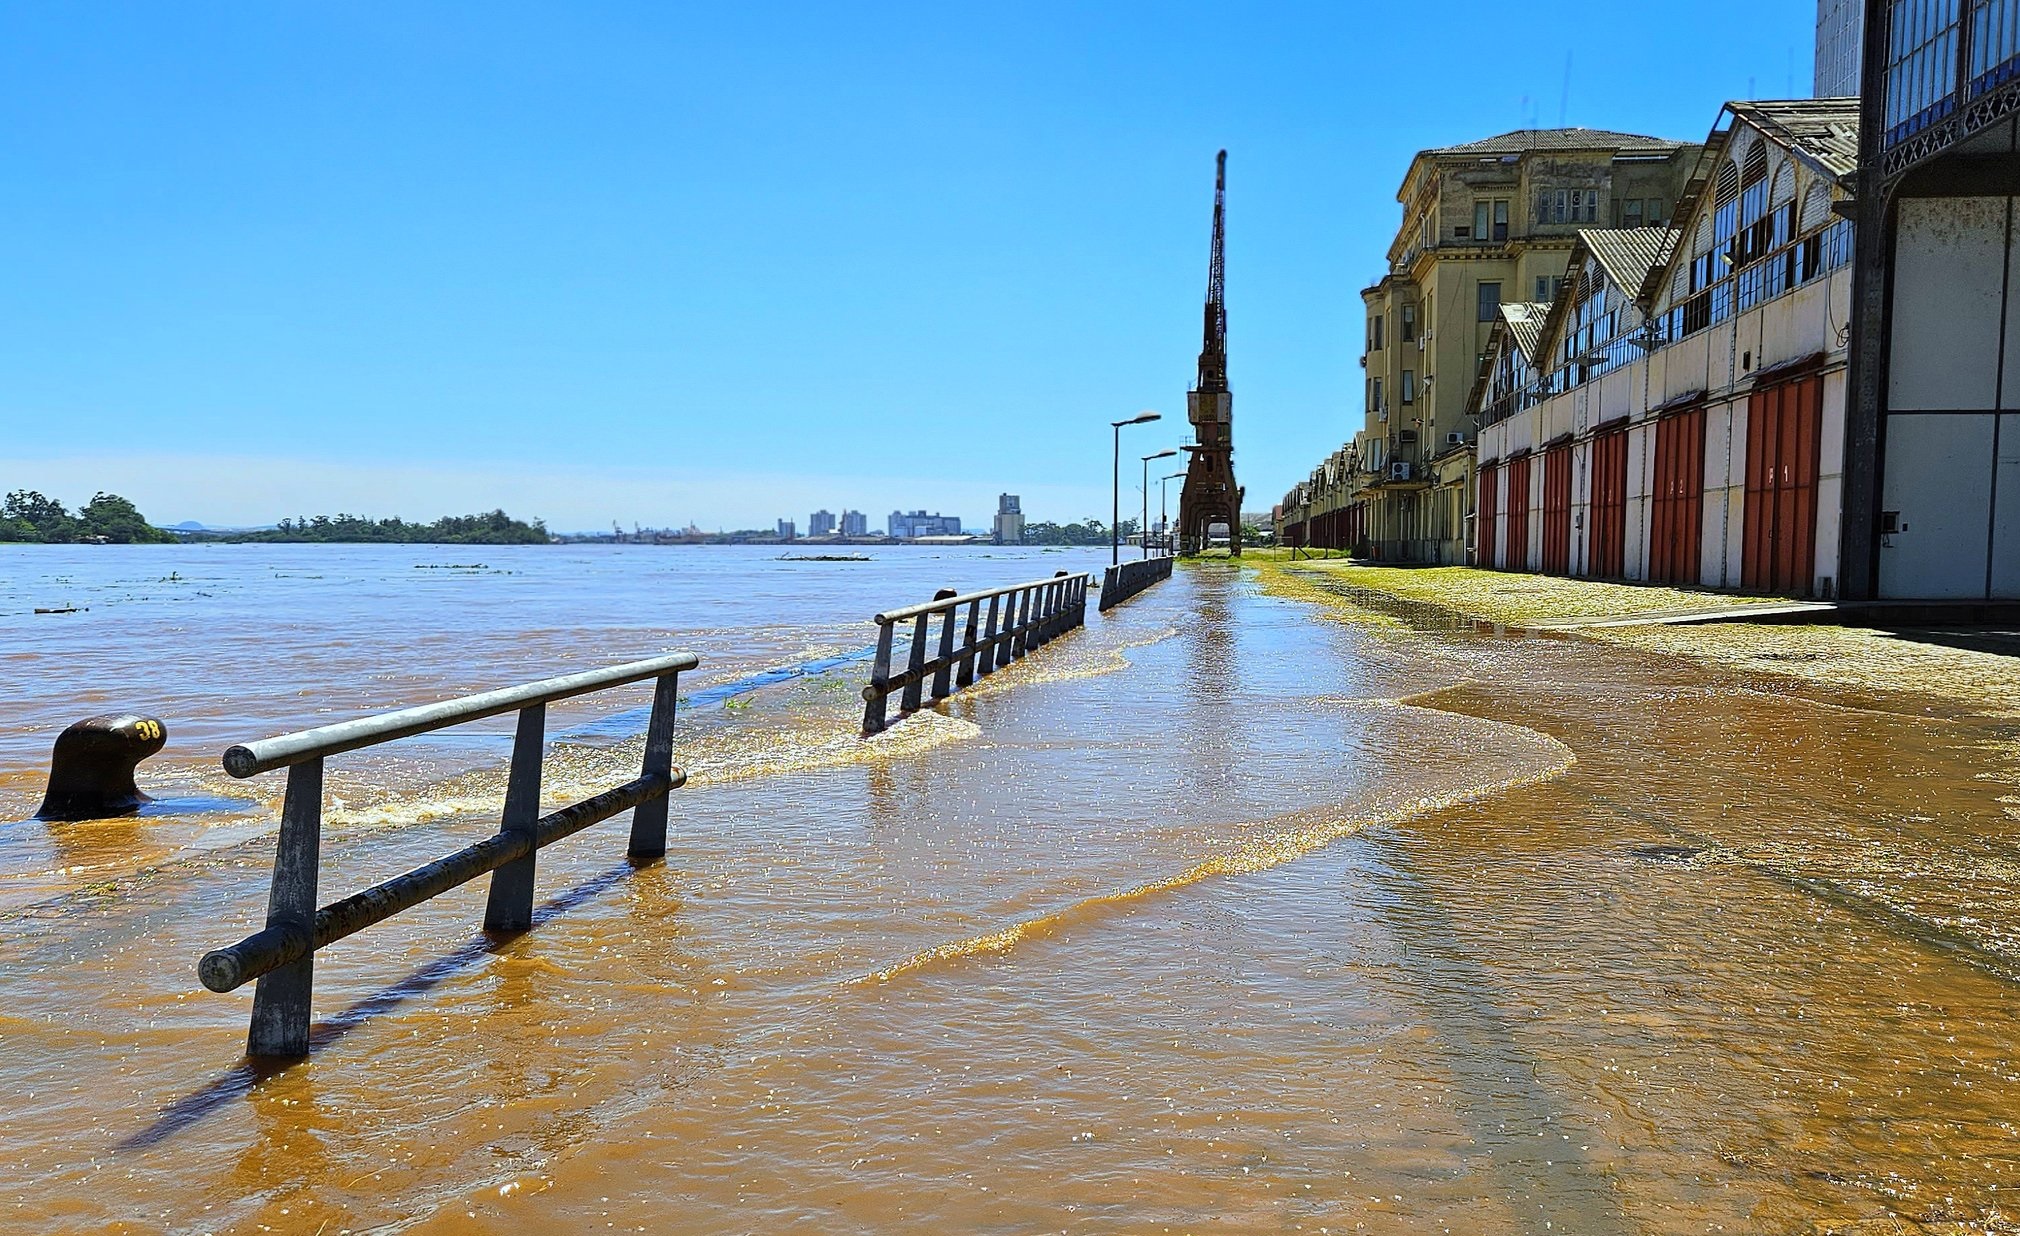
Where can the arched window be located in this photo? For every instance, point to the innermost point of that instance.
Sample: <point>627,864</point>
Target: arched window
<point>1816,206</point>
<point>1755,234</point>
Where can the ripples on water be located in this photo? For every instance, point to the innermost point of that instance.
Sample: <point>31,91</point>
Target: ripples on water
<point>1573,936</point>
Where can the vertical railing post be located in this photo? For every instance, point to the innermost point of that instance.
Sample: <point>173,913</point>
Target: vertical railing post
<point>944,676</point>
<point>648,819</point>
<point>875,715</point>
<point>915,666</point>
<point>967,675</point>
<point>511,905</point>
<point>1022,644</point>
<point>993,655</point>
<point>280,1011</point>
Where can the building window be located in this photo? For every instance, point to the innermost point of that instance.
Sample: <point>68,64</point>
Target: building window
<point>1375,333</point>
<point>1409,325</point>
<point>1409,386</point>
<point>1500,219</point>
<point>1462,232</point>
<point>1557,215</point>
<point>1481,210</point>
<point>1630,212</point>
<point>1490,301</point>
<point>1375,394</point>
<point>1655,212</point>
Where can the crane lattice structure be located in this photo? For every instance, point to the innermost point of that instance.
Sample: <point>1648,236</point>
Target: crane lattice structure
<point>1210,495</point>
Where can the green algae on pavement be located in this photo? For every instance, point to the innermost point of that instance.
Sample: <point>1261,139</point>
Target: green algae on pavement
<point>1929,675</point>
<point>1518,599</point>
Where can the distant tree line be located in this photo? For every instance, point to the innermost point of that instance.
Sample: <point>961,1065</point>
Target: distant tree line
<point>492,528</point>
<point>1086,532</point>
<point>26,515</point>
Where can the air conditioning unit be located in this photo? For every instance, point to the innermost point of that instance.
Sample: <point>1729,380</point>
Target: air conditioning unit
<point>1399,470</point>
<point>1455,439</point>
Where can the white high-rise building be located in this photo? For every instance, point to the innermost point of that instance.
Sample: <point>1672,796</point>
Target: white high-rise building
<point>821,523</point>
<point>1840,27</point>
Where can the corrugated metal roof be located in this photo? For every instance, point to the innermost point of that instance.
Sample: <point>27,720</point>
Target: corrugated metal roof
<point>1629,253</point>
<point>1824,131</point>
<point>1525,324</point>
<point>1522,140</point>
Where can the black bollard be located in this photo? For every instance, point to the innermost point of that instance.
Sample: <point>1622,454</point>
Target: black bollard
<point>91,771</point>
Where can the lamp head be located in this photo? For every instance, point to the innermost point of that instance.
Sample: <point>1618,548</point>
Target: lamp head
<point>1141,418</point>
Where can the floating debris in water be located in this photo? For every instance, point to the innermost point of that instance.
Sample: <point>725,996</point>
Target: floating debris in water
<point>1667,853</point>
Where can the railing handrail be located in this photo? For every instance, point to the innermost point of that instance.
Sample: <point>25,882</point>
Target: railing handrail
<point>281,955</point>
<point>934,607</point>
<point>1126,579</point>
<point>251,759</point>
<point>1020,617</point>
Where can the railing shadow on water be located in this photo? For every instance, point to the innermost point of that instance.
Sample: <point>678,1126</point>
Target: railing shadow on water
<point>246,1076</point>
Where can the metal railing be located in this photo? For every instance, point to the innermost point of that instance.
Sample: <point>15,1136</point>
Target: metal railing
<point>1020,617</point>
<point>1121,582</point>
<point>282,954</point>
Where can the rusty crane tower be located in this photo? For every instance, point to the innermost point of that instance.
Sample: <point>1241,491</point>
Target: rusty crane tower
<point>1209,495</point>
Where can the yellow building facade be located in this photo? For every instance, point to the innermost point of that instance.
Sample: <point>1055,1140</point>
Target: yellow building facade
<point>1484,223</point>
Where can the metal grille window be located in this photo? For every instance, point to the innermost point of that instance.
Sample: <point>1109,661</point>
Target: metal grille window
<point>1995,43</point>
<point>1922,50</point>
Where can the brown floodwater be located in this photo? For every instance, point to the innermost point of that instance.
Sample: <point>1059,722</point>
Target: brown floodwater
<point>1219,915</point>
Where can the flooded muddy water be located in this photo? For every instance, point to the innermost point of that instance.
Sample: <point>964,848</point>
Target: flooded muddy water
<point>1218,915</point>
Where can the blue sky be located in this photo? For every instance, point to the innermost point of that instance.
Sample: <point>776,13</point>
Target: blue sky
<point>721,263</point>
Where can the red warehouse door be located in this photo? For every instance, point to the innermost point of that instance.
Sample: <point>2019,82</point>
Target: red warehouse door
<point>1783,425</point>
<point>1678,518</point>
<point>1483,521</point>
<point>1607,557</point>
<point>1515,522</point>
<point>1557,510</point>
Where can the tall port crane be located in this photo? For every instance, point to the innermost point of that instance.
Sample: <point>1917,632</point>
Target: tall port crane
<point>1210,495</point>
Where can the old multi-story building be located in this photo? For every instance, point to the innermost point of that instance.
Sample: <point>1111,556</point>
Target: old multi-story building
<point>1484,223</point>
<point>1684,418</point>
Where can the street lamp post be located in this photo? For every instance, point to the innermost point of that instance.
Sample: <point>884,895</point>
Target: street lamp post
<point>1115,514</point>
<point>1143,530</point>
<point>1163,518</point>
